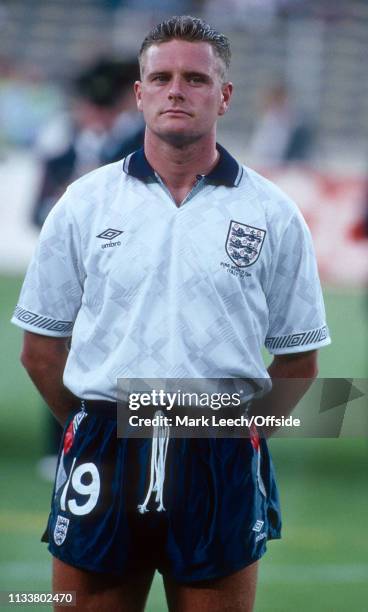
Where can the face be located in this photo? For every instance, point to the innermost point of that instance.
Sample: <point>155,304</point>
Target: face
<point>181,93</point>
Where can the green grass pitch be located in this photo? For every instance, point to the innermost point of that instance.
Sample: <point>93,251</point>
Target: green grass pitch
<point>321,564</point>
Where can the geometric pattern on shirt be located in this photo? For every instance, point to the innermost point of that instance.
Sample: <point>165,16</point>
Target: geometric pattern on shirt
<point>300,339</point>
<point>42,322</point>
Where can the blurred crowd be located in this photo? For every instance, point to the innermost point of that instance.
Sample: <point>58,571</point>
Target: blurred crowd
<point>31,96</point>
<point>27,102</point>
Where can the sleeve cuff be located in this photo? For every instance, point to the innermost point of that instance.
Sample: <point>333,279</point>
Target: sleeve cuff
<point>298,342</point>
<point>39,324</point>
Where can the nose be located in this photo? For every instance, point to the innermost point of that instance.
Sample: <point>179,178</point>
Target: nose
<point>176,90</point>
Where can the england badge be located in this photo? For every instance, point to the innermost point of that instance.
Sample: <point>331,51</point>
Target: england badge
<point>61,529</point>
<point>244,243</point>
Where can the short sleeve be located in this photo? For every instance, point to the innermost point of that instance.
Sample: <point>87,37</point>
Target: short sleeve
<point>297,320</point>
<point>52,290</point>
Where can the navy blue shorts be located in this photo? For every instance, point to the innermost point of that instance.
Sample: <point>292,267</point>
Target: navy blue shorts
<point>219,497</point>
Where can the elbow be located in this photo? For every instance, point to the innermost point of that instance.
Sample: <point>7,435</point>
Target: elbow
<point>313,371</point>
<point>316,371</point>
<point>310,366</point>
<point>41,354</point>
<point>24,359</point>
<point>27,360</point>
<point>33,362</point>
<point>296,365</point>
<point>314,364</point>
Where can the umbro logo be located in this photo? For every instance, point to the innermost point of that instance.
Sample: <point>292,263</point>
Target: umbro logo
<point>261,536</point>
<point>109,234</point>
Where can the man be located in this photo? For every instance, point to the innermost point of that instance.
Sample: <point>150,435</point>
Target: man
<point>176,295</point>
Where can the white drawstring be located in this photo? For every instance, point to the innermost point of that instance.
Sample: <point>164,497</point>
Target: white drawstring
<point>160,442</point>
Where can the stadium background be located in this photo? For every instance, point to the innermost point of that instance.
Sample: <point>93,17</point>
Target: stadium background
<point>319,50</point>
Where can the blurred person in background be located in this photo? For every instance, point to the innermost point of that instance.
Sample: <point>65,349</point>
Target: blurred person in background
<point>102,127</point>
<point>281,134</point>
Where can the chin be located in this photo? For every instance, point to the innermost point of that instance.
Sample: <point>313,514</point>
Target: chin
<point>179,138</point>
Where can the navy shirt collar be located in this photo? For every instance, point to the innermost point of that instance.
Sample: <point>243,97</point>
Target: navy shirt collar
<point>226,172</point>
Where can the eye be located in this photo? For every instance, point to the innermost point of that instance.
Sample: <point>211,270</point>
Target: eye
<point>196,79</point>
<point>160,78</point>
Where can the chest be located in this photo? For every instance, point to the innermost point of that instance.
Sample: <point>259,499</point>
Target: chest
<point>214,241</point>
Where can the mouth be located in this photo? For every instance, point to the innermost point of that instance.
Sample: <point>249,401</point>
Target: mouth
<point>176,112</point>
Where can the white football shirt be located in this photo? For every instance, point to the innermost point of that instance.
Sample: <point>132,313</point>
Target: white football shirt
<point>147,289</point>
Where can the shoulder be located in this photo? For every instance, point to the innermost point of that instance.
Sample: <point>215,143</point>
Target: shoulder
<point>89,195</point>
<point>280,212</point>
<point>275,201</point>
<point>101,179</point>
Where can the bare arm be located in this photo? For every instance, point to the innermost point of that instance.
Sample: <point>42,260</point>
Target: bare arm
<point>44,359</point>
<point>291,375</point>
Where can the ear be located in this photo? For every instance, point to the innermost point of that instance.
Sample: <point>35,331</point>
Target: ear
<point>138,94</point>
<point>226,93</point>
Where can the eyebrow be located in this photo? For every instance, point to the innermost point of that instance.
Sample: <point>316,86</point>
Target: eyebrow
<point>189,73</point>
<point>202,75</point>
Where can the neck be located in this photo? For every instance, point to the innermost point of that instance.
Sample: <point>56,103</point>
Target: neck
<point>179,166</point>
